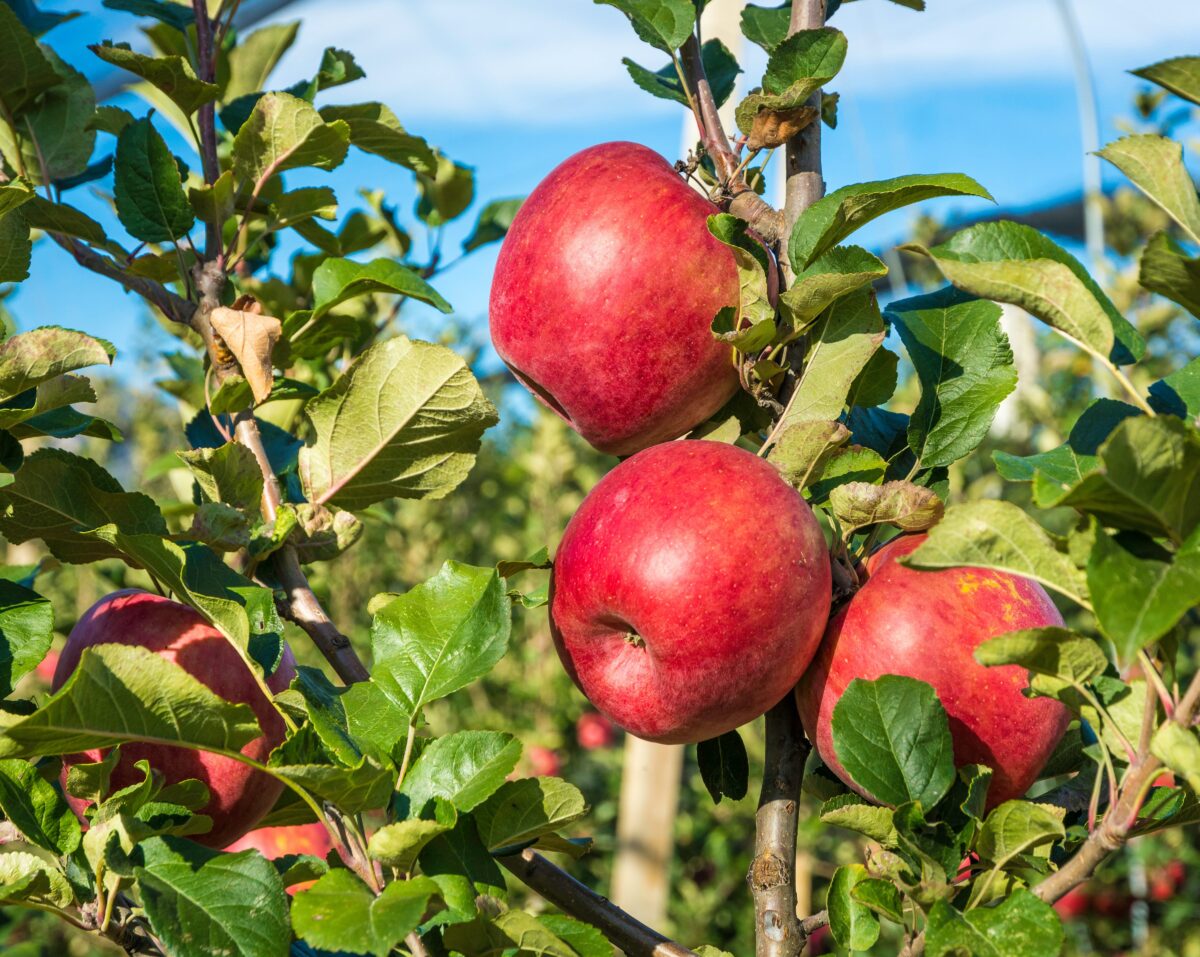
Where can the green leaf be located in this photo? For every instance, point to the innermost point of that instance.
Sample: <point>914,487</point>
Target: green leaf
<point>797,67</point>
<point>665,24</point>
<point>853,813</point>
<point>363,787</point>
<point>26,629</point>
<point>965,367</point>
<point>178,15</point>
<point>398,845</point>
<point>1168,271</point>
<point>53,134</point>
<point>404,421</point>
<point>909,507</point>
<point>720,67</point>
<point>830,220</point>
<point>171,74</point>
<point>1000,536</point>
<point>36,809</point>
<point>1053,472</point>
<point>38,21</point>
<point>1148,479</point>
<point>493,223</point>
<point>1020,926</point>
<point>126,693</point>
<point>252,61</point>
<point>15,247</point>
<point>1179,393</point>
<point>151,203</point>
<point>1154,164</point>
<point>766,26</point>
<point>337,68</point>
<point>853,464</point>
<point>1139,599</point>
<point>1059,653</point>
<point>838,272</point>
<point>893,738</point>
<point>428,643</point>
<point>14,195</point>
<point>802,449</point>
<point>202,902</point>
<point>285,132</point>
<point>840,345</point>
<point>340,913</point>
<point>751,325</point>
<point>463,768</point>
<point>1011,262</point>
<point>24,70</point>
<point>582,938</point>
<point>445,194</point>
<point>1180,76</point>
<point>459,854</point>
<point>27,877</point>
<point>229,473</point>
<point>52,217</point>
<point>724,766</point>
<point>880,896</point>
<point>1017,827</point>
<point>375,129</point>
<point>851,923</point>
<point>326,713</point>
<point>337,280</point>
<point>525,809</point>
<point>1179,749</point>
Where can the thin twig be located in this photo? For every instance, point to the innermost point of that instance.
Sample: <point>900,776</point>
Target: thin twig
<point>1114,828</point>
<point>173,306</point>
<point>570,896</point>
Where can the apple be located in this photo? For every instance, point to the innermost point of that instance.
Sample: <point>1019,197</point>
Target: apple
<point>927,625</point>
<point>543,762</point>
<point>275,842</point>
<point>240,796</point>
<point>690,591</point>
<point>604,294</point>
<point>594,731</point>
<point>1074,904</point>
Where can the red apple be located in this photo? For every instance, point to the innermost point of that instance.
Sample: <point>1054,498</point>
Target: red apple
<point>594,731</point>
<point>604,293</point>
<point>274,842</point>
<point>690,591</point>
<point>47,666</point>
<point>543,762</point>
<point>927,625</point>
<point>240,796</point>
<point>1074,904</point>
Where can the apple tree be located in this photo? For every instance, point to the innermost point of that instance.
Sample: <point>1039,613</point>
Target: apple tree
<point>992,746</point>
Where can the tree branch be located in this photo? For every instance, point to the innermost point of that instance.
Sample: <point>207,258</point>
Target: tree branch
<point>777,929</point>
<point>205,70</point>
<point>173,306</point>
<point>570,896</point>
<point>1113,830</point>
<point>740,199</point>
<point>804,185</point>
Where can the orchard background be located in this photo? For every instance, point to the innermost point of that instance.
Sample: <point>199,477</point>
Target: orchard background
<point>426,210</point>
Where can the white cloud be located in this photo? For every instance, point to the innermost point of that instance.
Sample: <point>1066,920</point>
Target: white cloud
<point>546,62</point>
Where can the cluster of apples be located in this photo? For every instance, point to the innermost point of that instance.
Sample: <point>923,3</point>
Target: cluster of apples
<point>691,591</point>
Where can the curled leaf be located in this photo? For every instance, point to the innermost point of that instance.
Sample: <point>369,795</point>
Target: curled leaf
<point>251,337</point>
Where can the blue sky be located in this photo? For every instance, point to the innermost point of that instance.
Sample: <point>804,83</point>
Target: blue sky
<point>511,88</point>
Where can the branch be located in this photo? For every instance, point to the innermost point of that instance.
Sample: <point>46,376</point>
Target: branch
<point>173,306</point>
<point>777,930</point>
<point>205,70</point>
<point>741,200</point>
<point>570,896</point>
<point>302,606</point>
<point>1113,830</point>
<point>804,184</point>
